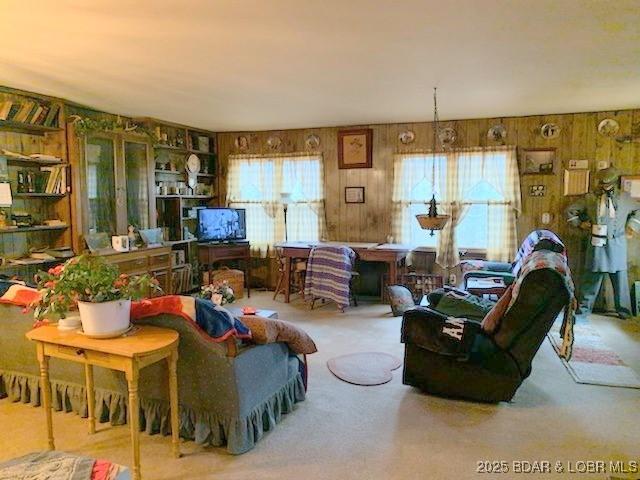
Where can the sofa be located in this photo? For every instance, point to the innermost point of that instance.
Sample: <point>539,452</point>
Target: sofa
<point>224,400</point>
<point>487,360</point>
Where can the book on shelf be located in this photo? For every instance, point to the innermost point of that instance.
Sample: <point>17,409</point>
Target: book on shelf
<point>40,115</point>
<point>57,180</point>
<point>25,109</point>
<point>33,114</point>
<point>5,108</point>
<point>51,119</point>
<point>13,111</point>
<point>44,156</point>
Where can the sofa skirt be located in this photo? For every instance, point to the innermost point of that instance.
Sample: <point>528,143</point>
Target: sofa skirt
<point>239,434</point>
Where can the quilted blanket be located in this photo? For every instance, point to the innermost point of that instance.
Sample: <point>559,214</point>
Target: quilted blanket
<point>557,262</point>
<point>211,319</point>
<point>329,274</point>
<point>551,242</point>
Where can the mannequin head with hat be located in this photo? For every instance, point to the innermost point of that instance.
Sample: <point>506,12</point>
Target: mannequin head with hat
<point>608,178</point>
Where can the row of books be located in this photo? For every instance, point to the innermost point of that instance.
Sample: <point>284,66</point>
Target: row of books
<point>182,279</point>
<point>30,112</point>
<point>48,180</point>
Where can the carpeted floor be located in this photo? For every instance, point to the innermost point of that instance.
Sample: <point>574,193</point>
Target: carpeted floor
<point>390,431</point>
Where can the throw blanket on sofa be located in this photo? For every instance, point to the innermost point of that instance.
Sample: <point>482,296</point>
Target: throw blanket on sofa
<point>557,262</point>
<point>215,321</point>
<point>329,274</point>
<point>17,293</point>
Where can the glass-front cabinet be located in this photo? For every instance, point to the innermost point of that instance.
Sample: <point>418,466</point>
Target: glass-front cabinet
<point>116,182</point>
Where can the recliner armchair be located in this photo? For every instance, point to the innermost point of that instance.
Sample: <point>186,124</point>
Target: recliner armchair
<point>535,241</point>
<point>462,358</point>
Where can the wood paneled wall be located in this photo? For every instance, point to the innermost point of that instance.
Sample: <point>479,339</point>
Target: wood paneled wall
<point>371,221</point>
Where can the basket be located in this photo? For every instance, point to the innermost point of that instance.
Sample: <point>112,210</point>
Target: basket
<point>235,279</point>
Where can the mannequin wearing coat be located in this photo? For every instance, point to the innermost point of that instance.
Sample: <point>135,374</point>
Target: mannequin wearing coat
<point>611,216</point>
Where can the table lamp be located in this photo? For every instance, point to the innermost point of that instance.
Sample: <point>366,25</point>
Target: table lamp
<point>285,198</point>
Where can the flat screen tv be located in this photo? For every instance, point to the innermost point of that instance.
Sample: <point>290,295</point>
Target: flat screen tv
<point>221,224</point>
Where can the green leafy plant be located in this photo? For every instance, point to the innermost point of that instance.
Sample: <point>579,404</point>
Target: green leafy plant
<point>88,125</point>
<point>88,278</point>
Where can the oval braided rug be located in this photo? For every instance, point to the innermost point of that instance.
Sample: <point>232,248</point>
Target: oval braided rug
<point>365,368</point>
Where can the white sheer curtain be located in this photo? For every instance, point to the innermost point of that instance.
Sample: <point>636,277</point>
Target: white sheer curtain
<point>256,183</point>
<point>484,181</point>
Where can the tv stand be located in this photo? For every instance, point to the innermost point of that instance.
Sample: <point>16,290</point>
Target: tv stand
<point>211,253</point>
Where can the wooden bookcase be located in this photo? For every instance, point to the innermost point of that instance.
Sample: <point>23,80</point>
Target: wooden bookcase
<point>34,134</point>
<point>176,204</point>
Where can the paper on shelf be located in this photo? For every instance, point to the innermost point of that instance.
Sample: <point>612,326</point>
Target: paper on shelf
<point>5,195</point>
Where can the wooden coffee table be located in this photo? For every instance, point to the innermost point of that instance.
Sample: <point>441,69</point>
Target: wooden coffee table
<point>144,346</point>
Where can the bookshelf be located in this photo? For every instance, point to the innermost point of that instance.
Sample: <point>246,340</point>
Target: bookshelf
<point>174,200</point>
<point>32,125</point>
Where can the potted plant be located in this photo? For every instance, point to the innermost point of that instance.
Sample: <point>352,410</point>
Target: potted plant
<point>218,292</point>
<point>102,294</point>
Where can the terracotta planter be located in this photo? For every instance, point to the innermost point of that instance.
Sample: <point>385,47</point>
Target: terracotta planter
<point>106,319</point>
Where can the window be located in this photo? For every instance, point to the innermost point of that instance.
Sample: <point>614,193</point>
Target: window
<point>257,184</point>
<point>478,188</point>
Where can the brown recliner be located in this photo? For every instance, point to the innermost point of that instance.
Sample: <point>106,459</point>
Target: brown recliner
<point>456,357</point>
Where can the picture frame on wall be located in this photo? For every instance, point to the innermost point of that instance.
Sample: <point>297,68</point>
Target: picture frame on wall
<point>538,161</point>
<point>353,194</point>
<point>355,148</point>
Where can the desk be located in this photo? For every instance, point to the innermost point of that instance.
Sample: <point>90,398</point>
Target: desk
<point>128,354</point>
<point>210,253</point>
<point>389,253</point>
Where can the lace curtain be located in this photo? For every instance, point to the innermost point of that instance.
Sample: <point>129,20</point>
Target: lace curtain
<point>463,178</point>
<point>256,184</point>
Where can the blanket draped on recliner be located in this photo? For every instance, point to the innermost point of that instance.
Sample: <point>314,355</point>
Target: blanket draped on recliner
<point>557,262</point>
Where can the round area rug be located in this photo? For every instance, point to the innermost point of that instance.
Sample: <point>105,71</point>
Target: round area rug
<point>366,368</point>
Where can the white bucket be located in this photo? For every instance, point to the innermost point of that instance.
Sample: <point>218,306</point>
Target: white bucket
<point>105,319</point>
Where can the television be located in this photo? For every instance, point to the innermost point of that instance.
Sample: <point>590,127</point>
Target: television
<point>221,224</point>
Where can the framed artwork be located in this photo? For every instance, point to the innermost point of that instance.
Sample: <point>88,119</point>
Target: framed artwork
<point>353,194</point>
<point>631,185</point>
<point>355,148</point>
<point>576,182</point>
<point>540,161</point>
<point>537,190</point>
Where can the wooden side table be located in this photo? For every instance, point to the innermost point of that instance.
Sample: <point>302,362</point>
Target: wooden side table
<point>144,346</point>
<point>210,253</point>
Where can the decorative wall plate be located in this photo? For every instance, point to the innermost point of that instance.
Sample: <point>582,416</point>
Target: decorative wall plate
<point>608,127</point>
<point>497,133</point>
<point>407,137</point>
<point>274,142</point>
<point>192,163</point>
<point>312,142</point>
<point>242,143</point>
<point>550,130</point>
<point>447,136</point>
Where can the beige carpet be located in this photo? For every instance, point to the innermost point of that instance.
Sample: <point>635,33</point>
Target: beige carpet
<point>392,431</point>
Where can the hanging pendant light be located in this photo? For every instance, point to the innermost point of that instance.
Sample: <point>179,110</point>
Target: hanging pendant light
<point>432,220</point>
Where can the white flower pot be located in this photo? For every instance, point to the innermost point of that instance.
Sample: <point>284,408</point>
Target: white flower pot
<point>106,319</point>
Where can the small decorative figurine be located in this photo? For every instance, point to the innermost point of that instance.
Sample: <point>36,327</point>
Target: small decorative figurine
<point>132,237</point>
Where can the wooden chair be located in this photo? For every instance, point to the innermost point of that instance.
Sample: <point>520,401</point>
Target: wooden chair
<point>298,271</point>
